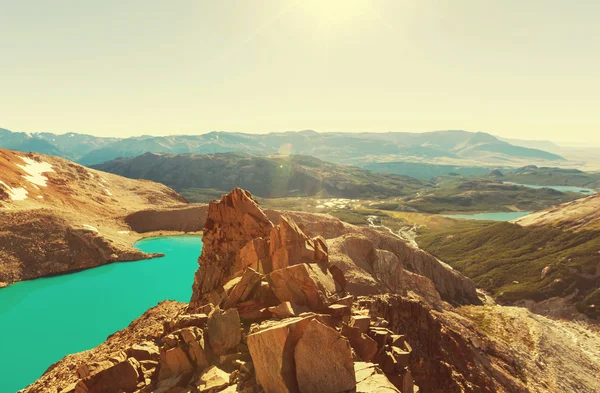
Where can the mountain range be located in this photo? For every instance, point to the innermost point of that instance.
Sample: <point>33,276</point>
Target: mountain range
<point>455,147</point>
<point>204,177</point>
<point>274,176</point>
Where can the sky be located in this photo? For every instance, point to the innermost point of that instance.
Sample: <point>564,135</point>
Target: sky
<point>513,68</point>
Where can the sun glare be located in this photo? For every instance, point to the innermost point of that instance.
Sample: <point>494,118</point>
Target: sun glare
<point>334,13</point>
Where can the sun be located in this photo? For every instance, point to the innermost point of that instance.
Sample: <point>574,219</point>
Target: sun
<point>334,13</point>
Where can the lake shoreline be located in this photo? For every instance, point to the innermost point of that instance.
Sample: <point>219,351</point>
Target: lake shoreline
<point>132,238</point>
<point>106,299</point>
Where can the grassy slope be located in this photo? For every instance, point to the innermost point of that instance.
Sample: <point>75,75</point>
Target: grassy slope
<point>466,194</point>
<point>507,260</point>
<point>553,177</point>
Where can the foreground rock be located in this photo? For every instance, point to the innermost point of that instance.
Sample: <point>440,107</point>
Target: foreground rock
<point>323,360</point>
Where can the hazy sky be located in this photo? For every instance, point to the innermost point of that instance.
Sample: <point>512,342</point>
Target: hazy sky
<point>524,69</point>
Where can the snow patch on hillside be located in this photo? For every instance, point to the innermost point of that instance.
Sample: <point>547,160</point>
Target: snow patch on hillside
<point>35,170</point>
<point>16,194</point>
<point>91,228</point>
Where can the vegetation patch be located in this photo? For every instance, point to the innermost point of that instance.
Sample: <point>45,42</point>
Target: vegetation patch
<point>515,263</point>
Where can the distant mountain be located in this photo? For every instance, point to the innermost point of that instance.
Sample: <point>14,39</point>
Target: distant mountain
<point>534,144</point>
<point>264,176</point>
<point>424,170</point>
<point>438,147</point>
<point>77,145</point>
<point>71,146</point>
<point>21,141</point>
<point>548,176</point>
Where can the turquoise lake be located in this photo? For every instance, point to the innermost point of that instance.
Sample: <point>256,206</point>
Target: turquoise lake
<point>45,319</point>
<point>581,190</point>
<point>499,216</point>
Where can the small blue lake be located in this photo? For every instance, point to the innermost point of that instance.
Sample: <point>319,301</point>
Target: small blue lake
<point>499,216</point>
<point>581,190</point>
<point>45,319</point>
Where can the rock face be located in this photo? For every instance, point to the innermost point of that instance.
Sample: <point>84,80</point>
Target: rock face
<point>185,219</point>
<point>230,225</point>
<point>224,328</point>
<point>238,235</point>
<point>272,351</point>
<point>319,370</point>
<point>304,284</point>
<point>121,377</point>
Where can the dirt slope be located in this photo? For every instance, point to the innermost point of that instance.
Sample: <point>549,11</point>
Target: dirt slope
<point>57,216</point>
<point>581,214</point>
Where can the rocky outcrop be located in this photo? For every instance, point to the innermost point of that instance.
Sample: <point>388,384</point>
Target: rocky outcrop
<point>375,262</point>
<point>231,223</point>
<point>239,234</point>
<point>448,347</point>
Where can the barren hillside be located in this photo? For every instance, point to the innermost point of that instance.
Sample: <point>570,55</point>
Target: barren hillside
<point>57,216</point>
<point>581,214</point>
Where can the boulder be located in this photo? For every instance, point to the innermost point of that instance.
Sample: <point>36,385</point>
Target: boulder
<point>176,361</point>
<point>404,381</point>
<point>289,246</point>
<point>402,357</point>
<point>224,332</point>
<point>253,309</point>
<point>145,351</point>
<point>303,284</point>
<point>255,254</point>
<point>185,320</point>
<point>339,311</point>
<point>242,289</point>
<point>196,347</point>
<point>361,322</point>
<point>323,360</point>
<point>365,347</point>
<point>370,379</point>
<point>184,351</point>
<point>121,377</point>
<point>272,352</point>
<point>212,380</point>
<point>287,309</point>
<point>347,300</point>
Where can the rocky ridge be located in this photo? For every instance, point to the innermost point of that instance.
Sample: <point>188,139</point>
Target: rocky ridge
<point>273,310</point>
